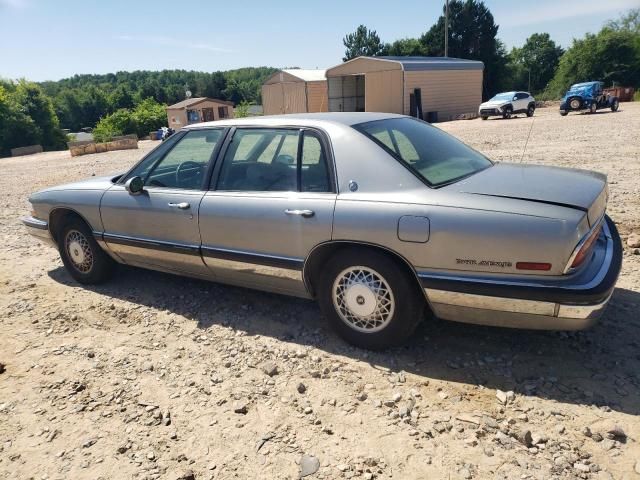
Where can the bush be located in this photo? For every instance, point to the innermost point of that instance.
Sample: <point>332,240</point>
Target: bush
<point>636,96</point>
<point>148,116</point>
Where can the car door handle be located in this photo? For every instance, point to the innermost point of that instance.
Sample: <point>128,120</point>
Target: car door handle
<point>301,213</point>
<point>181,205</point>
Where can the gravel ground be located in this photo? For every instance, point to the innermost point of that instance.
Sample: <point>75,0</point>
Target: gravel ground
<point>155,376</point>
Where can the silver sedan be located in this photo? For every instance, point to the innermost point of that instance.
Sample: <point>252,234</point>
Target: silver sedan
<point>381,218</point>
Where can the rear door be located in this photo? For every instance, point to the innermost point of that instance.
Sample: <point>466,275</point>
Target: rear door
<point>272,201</point>
<point>158,228</point>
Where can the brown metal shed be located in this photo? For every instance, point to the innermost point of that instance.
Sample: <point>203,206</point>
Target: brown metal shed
<point>441,88</point>
<point>196,110</point>
<point>295,91</point>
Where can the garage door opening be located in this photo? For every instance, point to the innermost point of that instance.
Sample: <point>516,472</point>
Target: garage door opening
<point>346,93</point>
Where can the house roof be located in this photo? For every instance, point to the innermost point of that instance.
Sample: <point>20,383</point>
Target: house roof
<point>307,75</point>
<point>429,63</point>
<point>189,102</point>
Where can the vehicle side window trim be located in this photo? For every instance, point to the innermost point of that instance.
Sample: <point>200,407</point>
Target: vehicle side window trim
<point>322,136</point>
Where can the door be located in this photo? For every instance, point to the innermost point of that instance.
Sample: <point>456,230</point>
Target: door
<point>158,227</point>
<point>522,101</point>
<point>273,202</point>
<point>207,115</point>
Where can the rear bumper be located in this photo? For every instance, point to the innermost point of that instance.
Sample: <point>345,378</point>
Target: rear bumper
<point>39,229</point>
<point>547,305</point>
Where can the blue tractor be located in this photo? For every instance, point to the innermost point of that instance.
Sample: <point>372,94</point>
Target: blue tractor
<point>587,96</point>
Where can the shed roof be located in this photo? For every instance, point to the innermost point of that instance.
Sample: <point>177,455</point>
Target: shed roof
<point>426,63</point>
<point>192,101</point>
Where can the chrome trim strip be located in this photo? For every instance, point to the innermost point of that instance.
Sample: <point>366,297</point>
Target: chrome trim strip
<point>583,311</point>
<point>597,279</point>
<point>574,254</point>
<point>483,302</point>
<point>33,222</point>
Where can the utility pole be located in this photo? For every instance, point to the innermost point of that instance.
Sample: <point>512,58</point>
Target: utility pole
<point>446,29</point>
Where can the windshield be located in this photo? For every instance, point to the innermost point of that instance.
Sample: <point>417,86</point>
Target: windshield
<point>434,156</point>
<point>503,96</point>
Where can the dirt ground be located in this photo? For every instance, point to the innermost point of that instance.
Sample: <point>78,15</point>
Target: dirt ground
<point>156,376</point>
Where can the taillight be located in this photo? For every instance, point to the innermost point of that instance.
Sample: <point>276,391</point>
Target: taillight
<point>533,266</point>
<point>586,247</point>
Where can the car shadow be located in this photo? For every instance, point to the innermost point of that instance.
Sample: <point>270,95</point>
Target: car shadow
<point>599,366</point>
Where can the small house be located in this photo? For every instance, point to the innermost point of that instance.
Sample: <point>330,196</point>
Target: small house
<point>196,110</point>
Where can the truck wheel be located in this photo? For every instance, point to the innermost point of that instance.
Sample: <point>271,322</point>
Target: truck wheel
<point>530,110</point>
<point>82,256</point>
<point>593,107</point>
<point>507,112</point>
<point>484,117</point>
<point>615,105</point>
<point>575,103</point>
<point>369,299</point>
<point>563,113</point>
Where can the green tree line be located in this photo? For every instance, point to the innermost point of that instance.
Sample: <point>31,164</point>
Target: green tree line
<point>540,65</point>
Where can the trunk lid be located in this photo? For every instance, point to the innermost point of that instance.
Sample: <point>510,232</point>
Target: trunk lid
<point>579,189</point>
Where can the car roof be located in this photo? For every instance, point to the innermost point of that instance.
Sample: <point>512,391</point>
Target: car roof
<point>344,118</point>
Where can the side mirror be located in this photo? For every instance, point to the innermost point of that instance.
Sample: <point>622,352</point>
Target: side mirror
<point>514,98</point>
<point>134,185</point>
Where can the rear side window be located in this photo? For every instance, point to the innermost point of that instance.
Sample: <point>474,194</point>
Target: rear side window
<point>275,160</point>
<point>314,172</point>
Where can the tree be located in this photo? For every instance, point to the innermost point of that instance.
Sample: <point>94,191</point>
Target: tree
<point>149,116</point>
<point>33,103</point>
<point>472,35</point>
<point>537,59</point>
<point>405,47</point>
<point>629,22</point>
<point>362,42</point>
<point>16,128</point>
<point>612,56</point>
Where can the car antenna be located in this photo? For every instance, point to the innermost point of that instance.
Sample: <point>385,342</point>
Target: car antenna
<point>533,119</point>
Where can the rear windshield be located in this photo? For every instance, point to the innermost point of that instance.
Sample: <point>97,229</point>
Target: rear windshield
<point>434,156</point>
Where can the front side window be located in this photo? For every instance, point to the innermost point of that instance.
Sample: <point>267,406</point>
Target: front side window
<point>434,156</point>
<point>185,165</point>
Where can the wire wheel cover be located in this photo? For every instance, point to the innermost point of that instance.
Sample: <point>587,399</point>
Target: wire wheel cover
<point>79,251</point>
<point>363,299</point>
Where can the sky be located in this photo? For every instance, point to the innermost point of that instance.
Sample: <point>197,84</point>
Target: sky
<point>53,39</point>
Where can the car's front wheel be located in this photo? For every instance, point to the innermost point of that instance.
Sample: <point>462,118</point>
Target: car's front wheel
<point>615,105</point>
<point>593,107</point>
<point>484,117</point>
<point>507,112</point>
<point>563,113</point>
<point>81,254</point>
<point>530,110</point>
<point>369,299</point>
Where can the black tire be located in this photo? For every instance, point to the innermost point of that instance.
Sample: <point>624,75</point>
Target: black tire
<point>563,113</point>
<point>575,103</point>
<point>507,112</point>
<point>484,117</point>
<point>407,300</point>
<point>593,107</point>
<point>615,105</point>
<point>76,243</point>
<point>531,110</point>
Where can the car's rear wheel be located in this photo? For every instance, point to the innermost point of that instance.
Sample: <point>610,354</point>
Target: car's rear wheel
<point>507,112</point>
<point>593,107</point>
<point>530,110</point>
<point>615,105</point>
<point>81,254</point>
<point>369,299</point>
